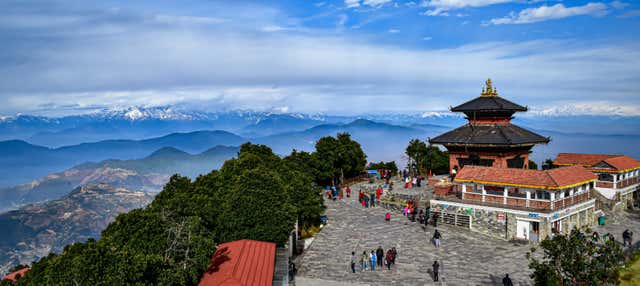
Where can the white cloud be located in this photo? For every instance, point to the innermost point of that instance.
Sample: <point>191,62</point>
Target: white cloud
<point>619,5</point>
<point>187,20</point>
<point>352,3</point>
<point>394,31</point>
<point>440,7</point>
<point>230,65</point>
<point>375,3</point>
<point>370,3</point>
<point>545,13</point>
<point>273,28</point>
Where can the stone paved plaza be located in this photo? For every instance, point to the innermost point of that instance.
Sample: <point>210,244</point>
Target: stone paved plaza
<point>466,258</point>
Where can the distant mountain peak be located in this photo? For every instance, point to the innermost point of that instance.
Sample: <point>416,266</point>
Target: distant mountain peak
<point>363,122</point>
<point>168,151</point>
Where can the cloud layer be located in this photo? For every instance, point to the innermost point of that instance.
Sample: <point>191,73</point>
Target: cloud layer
<point>261,58</point>
<point>558,11</point>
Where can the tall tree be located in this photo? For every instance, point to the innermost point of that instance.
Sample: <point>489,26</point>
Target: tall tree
<point>423,157</point>
<point>339,157</point>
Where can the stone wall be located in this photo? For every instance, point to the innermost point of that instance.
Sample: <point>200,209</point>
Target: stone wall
<point>482,221</point>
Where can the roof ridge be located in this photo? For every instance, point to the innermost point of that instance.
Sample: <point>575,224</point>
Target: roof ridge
<point>503,135</point>
<point>551,177</point>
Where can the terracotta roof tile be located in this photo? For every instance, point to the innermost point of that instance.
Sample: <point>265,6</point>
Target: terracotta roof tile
<point>581,159</point>
<point>241,263</point>
<point>551,179</point>
<point>617,162</point>
<point>623,163</point>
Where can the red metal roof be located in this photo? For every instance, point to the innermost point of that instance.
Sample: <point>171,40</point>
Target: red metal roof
<point>241,263</point>
<point>587,160</point>
<point>553,179</point>
<point>12,276</point>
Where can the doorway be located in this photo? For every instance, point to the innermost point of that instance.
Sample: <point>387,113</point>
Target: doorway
<point>522,229</point>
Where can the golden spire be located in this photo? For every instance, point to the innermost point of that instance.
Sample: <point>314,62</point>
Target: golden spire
<point>489,90</point>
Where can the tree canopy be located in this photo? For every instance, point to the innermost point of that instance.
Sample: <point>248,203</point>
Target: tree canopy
<point>383,166</point>
<point>339,157</point>
<point>576,259</point>
<point>423,157</point>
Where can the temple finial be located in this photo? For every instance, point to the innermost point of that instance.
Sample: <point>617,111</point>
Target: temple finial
<point>489,90</point>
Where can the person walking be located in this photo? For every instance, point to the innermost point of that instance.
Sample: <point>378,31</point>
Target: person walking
<point>427,213</point>
<point>626,237</point>
<point>348,192</point>
<point>436,267</point>
<point>373,200</point>
<point>395,255</point>
<point>372,258</point>
<point>380,256</point>
<point>435,220</point>
<point>363,261</point>
<point>353,262</point>
<point>436,238</point>
<point>506,281</point>
<point>389,258</point>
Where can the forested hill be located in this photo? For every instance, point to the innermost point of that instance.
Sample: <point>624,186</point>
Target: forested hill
<point>257,195</point>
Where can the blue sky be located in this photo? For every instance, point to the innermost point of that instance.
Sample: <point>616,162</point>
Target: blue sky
<point>339,57</point>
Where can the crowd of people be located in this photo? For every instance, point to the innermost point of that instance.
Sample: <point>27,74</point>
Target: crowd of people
<point>411,181</point>
<point>627,237</point>
<point>377,258</point>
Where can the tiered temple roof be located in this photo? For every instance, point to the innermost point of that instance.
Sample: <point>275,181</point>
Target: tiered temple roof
<point>489,135</point>
<point>489,124</point>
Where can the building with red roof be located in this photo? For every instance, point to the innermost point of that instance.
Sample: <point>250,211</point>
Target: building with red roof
<point>14,276</point>
<point>241,263</point>
<point>618,175</point>
<point>518,203</point>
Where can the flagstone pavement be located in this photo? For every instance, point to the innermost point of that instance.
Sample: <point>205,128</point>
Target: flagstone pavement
<point>466,258</point>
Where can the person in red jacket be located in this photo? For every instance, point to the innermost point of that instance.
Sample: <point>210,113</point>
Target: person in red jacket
<point>348,192</point>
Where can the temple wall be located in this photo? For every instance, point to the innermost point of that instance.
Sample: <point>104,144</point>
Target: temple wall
<point>499,160</point>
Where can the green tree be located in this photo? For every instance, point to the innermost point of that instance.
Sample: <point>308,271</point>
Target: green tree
<point>339,157</point>
<point>259,208</point>
<point>423,157</point>
<point>384,166</point>
<point>533,165</point>
<point>548,164</point>
<point>575,259</point>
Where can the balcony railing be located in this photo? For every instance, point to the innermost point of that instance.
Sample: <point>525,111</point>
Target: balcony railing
<point>618,185</point>
<point>515,202</point>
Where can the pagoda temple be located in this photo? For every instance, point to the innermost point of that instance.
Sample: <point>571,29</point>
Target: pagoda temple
<point>489,138</point>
